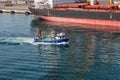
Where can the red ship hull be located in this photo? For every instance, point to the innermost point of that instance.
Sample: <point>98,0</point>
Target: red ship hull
<point>103,25</point>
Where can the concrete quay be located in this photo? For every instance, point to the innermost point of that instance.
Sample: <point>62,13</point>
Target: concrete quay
<point>17,8</point>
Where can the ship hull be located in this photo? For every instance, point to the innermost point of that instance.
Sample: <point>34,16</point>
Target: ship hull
<point>105,19</point>
<point>77,13</point>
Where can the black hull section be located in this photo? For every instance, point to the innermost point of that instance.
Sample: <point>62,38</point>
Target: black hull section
<point>77,14</point>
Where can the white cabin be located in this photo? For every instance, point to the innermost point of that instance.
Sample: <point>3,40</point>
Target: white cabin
<point>50,3</point>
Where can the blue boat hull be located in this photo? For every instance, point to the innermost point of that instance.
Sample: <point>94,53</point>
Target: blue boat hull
<point>59,41</point>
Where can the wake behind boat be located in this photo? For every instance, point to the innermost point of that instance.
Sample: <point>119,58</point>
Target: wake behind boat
<point>59,39</point>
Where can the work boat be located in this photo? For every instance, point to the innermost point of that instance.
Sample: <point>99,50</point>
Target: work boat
<point>59,39</point>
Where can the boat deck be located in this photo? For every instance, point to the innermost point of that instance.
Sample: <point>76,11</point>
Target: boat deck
<point>86,7</point>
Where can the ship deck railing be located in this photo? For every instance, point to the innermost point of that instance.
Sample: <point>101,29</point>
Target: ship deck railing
<point>103,7</point>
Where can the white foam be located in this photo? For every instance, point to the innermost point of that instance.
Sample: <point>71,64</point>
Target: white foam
<point>28,40</point>
<point>62,43</point>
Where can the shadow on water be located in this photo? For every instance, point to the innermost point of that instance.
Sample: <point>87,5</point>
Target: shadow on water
<point>91,54</point>
<point>50,59</point>
<point>56,63</point>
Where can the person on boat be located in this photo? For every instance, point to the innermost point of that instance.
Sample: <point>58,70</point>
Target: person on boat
<point>39,34</point>
<point>60,36</point>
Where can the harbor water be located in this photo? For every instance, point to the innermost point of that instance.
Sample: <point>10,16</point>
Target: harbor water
<point>90,55</point>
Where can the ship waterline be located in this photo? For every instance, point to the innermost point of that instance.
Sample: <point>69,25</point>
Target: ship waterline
<point>108,25</point>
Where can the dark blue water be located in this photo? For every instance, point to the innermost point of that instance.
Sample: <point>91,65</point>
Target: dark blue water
<point>91,54</point>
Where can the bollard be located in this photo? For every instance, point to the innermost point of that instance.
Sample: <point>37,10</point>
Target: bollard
<point>1,11</point>
<point>12,12</point>
<point>27,13</point>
